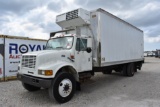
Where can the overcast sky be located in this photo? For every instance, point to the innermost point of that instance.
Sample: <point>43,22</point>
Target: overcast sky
<point>36,18</point>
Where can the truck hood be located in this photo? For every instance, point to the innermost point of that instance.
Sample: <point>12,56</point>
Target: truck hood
<point>36,53</point>
<point>47,57</point>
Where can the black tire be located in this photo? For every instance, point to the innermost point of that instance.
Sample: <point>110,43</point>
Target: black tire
<point>54,89</point>
<point>107,72</point>
<point>30,87</point>
<point>130,69</point>
<point>135,69</point>
<point>124,70</point>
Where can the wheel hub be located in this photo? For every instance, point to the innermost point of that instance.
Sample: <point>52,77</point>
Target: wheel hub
<point>65,87</point>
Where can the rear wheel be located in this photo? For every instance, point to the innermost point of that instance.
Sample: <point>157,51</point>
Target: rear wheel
<point>130,69</point>
<point>135,68</point>
<point>107,72</point>
<point>63,87</point>
<point>124,70</point>
<point>30,87</point>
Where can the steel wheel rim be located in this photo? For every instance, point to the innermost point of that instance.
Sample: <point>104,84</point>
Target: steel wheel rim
<point>65,88</point>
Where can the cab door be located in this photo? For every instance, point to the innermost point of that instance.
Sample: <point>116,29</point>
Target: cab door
<point>83,59</point>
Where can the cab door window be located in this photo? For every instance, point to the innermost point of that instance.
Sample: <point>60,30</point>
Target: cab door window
<point>81,44</point>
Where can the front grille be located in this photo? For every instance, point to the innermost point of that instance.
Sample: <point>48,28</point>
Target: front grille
<point>28,61</point>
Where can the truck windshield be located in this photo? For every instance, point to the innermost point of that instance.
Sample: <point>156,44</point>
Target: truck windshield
<point>60,43</point>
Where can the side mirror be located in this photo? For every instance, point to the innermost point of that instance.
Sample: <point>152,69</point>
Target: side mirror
<point>88,49</point>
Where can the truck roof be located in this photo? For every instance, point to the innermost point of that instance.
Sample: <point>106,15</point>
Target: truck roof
<point>63,35</point>
<point>105,12</point>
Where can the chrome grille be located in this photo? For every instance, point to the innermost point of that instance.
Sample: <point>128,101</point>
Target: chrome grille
<point>28,61</point>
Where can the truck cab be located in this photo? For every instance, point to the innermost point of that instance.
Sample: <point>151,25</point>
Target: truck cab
<point>62,50</point>
<point>64,54</point>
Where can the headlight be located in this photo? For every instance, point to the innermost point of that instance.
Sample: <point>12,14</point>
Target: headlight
<point>45,72</point>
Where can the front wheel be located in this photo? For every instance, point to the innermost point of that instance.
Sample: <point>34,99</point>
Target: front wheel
<point>63,87</point>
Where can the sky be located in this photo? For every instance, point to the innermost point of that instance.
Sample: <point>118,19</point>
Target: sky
<point>36,18</point>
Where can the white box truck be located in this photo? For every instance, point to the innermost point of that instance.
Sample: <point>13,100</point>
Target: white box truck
<point>89,42</point>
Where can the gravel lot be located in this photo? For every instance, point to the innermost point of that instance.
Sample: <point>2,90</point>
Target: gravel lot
<point>142,90</point>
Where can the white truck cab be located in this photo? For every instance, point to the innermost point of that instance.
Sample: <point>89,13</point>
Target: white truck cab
<point>63,54</point>
<point>89,42</point>
<point>63,50</point>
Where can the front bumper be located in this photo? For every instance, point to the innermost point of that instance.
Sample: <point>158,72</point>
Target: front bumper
<point>38,82</point>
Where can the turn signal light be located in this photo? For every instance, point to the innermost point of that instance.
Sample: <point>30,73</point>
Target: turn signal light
<point>45,72</point>
<point>48,72</point>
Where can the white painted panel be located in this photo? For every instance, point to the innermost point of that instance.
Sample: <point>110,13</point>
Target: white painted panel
<point>1,57</point>
<point>94,32</point>
<point>78,17</point>
<point>13,51</point>
<point>61,17</point>
<point>119,41</point>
